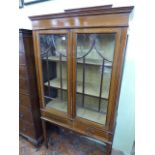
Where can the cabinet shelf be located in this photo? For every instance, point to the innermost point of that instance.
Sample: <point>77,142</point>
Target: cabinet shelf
<point>90,89</point>
<point>88,61</point>
<point>58,105</point>
<point>81,111</point>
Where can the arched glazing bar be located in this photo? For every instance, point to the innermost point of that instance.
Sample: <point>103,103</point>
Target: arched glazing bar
<point>47,68</point>
<point>51,50</point>
<point>56,50</point>
<point>93,45</point>
<point>83,57</point>
<point>91,48</point>
<point>45,54</point>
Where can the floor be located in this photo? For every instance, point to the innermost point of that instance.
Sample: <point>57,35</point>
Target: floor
<point>64,142</point>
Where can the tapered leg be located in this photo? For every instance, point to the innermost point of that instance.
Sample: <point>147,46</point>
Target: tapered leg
<point>45,133</point>
<point>108,149</point>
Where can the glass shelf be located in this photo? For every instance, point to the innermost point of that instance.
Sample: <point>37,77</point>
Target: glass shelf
<point>90,89</point>
<point>58,105</point>
<point>91,115</point>
<point>85,113</point>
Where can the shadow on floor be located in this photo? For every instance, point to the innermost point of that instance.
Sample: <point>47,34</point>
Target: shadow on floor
<point>64,142</point>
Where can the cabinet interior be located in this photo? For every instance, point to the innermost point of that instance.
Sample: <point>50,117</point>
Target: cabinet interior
<point>94,56</point>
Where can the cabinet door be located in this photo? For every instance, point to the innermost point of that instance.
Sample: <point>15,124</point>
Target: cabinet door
<point>53,57</point>
<point>94,51</point>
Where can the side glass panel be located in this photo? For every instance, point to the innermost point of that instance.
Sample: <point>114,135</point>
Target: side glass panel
<point>94,58</point>
<point>54,70</point>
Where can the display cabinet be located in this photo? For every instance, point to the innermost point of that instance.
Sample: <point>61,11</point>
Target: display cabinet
<point>79,58</point>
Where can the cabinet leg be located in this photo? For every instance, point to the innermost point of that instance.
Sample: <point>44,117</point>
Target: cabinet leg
<point>45,133</point>
<point>108,149</point>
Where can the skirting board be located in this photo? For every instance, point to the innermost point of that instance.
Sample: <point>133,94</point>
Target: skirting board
<point>114,151</point>
<point>118,152</point>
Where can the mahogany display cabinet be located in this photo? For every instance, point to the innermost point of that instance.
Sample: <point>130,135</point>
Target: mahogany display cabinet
<point>79,58</point>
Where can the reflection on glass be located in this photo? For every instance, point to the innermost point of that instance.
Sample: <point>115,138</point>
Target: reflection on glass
<point>54,70</point>
<point>94,56</point>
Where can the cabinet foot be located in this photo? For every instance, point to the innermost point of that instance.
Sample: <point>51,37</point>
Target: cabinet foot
<point>45,133</point>
<point>108,149</point>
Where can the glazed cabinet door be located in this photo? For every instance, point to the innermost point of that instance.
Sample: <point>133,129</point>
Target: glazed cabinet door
<point>53,58</point>
<point>93,59</point>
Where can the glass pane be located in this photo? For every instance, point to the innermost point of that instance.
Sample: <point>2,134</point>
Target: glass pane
<point>94,58</point>
<point>54,70</point>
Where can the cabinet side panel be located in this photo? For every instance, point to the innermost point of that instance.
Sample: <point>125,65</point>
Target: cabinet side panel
<point>116,79</point>
<point>38,69</point>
